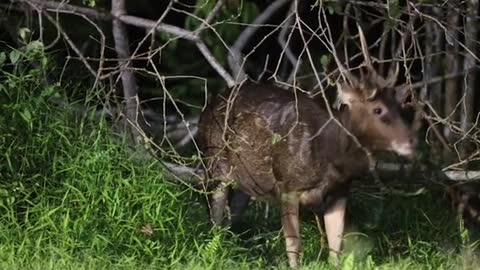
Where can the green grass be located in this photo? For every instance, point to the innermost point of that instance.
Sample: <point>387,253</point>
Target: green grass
<point>72,197</point>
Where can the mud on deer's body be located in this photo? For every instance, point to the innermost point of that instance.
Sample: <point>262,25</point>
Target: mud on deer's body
<point>275,143</point>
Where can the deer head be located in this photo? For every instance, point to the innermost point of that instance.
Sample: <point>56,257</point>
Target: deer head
<point>375,108</point>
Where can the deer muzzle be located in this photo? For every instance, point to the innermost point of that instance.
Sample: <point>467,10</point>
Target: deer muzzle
<point>405,148</point>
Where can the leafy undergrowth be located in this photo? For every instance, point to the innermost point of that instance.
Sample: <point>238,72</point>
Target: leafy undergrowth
<point>72,197</point>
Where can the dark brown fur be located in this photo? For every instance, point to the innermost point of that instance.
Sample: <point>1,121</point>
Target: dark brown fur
<point>305,158</point>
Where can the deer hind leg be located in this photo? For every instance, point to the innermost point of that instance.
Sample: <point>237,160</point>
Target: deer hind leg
<point>334,219</point>
<point>238,204</point>
<point>291,227</point>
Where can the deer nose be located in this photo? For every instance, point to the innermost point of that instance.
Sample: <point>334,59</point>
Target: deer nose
<point>413,141</point>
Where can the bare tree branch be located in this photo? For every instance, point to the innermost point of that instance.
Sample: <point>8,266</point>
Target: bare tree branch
<point>213,14</point>
<point>285,44</point>
<point>433,80</point>
<point>61,7</point>
<point>72,45</point>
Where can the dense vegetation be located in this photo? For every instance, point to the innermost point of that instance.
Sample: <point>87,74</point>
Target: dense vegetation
<point>73,197</point>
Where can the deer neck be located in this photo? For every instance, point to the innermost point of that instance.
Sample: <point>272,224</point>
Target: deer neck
<point>353,159</point>
<point>350,143</point>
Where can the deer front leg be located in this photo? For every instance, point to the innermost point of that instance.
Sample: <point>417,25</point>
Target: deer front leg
<point>334,219</point>
<point>218,204</point>
<point>291,227</point>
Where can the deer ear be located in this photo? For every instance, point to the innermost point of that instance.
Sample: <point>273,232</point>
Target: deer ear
<point>347,94</point>
<point>402,94</point>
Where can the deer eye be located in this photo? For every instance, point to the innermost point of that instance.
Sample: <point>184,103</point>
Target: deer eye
<point>377,111</point>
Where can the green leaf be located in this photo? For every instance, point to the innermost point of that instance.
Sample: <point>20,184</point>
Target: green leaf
<point>3,192</point>
<point>44,61</point>
<point>3,58</point>
<point>394,12</point>
<point>202,8</point>
<point>330,9</point>
<point>34,46</point>
<point>276,138</point>
<point>249,12</point>
<point>324,61</point>
<point>14,56</point>
<point>27,117</point>
<point>90,3</point>
<point>49,92</point>
<point>24,34</point>
<point>334,7</point>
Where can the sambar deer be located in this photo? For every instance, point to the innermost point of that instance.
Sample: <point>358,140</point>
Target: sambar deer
<point>276,143</point>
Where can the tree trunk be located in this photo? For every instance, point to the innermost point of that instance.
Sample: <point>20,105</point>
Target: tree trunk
<point>469,64</point>
<point>129,83</point>
<point>451,64</point>
<point>432,62</point>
